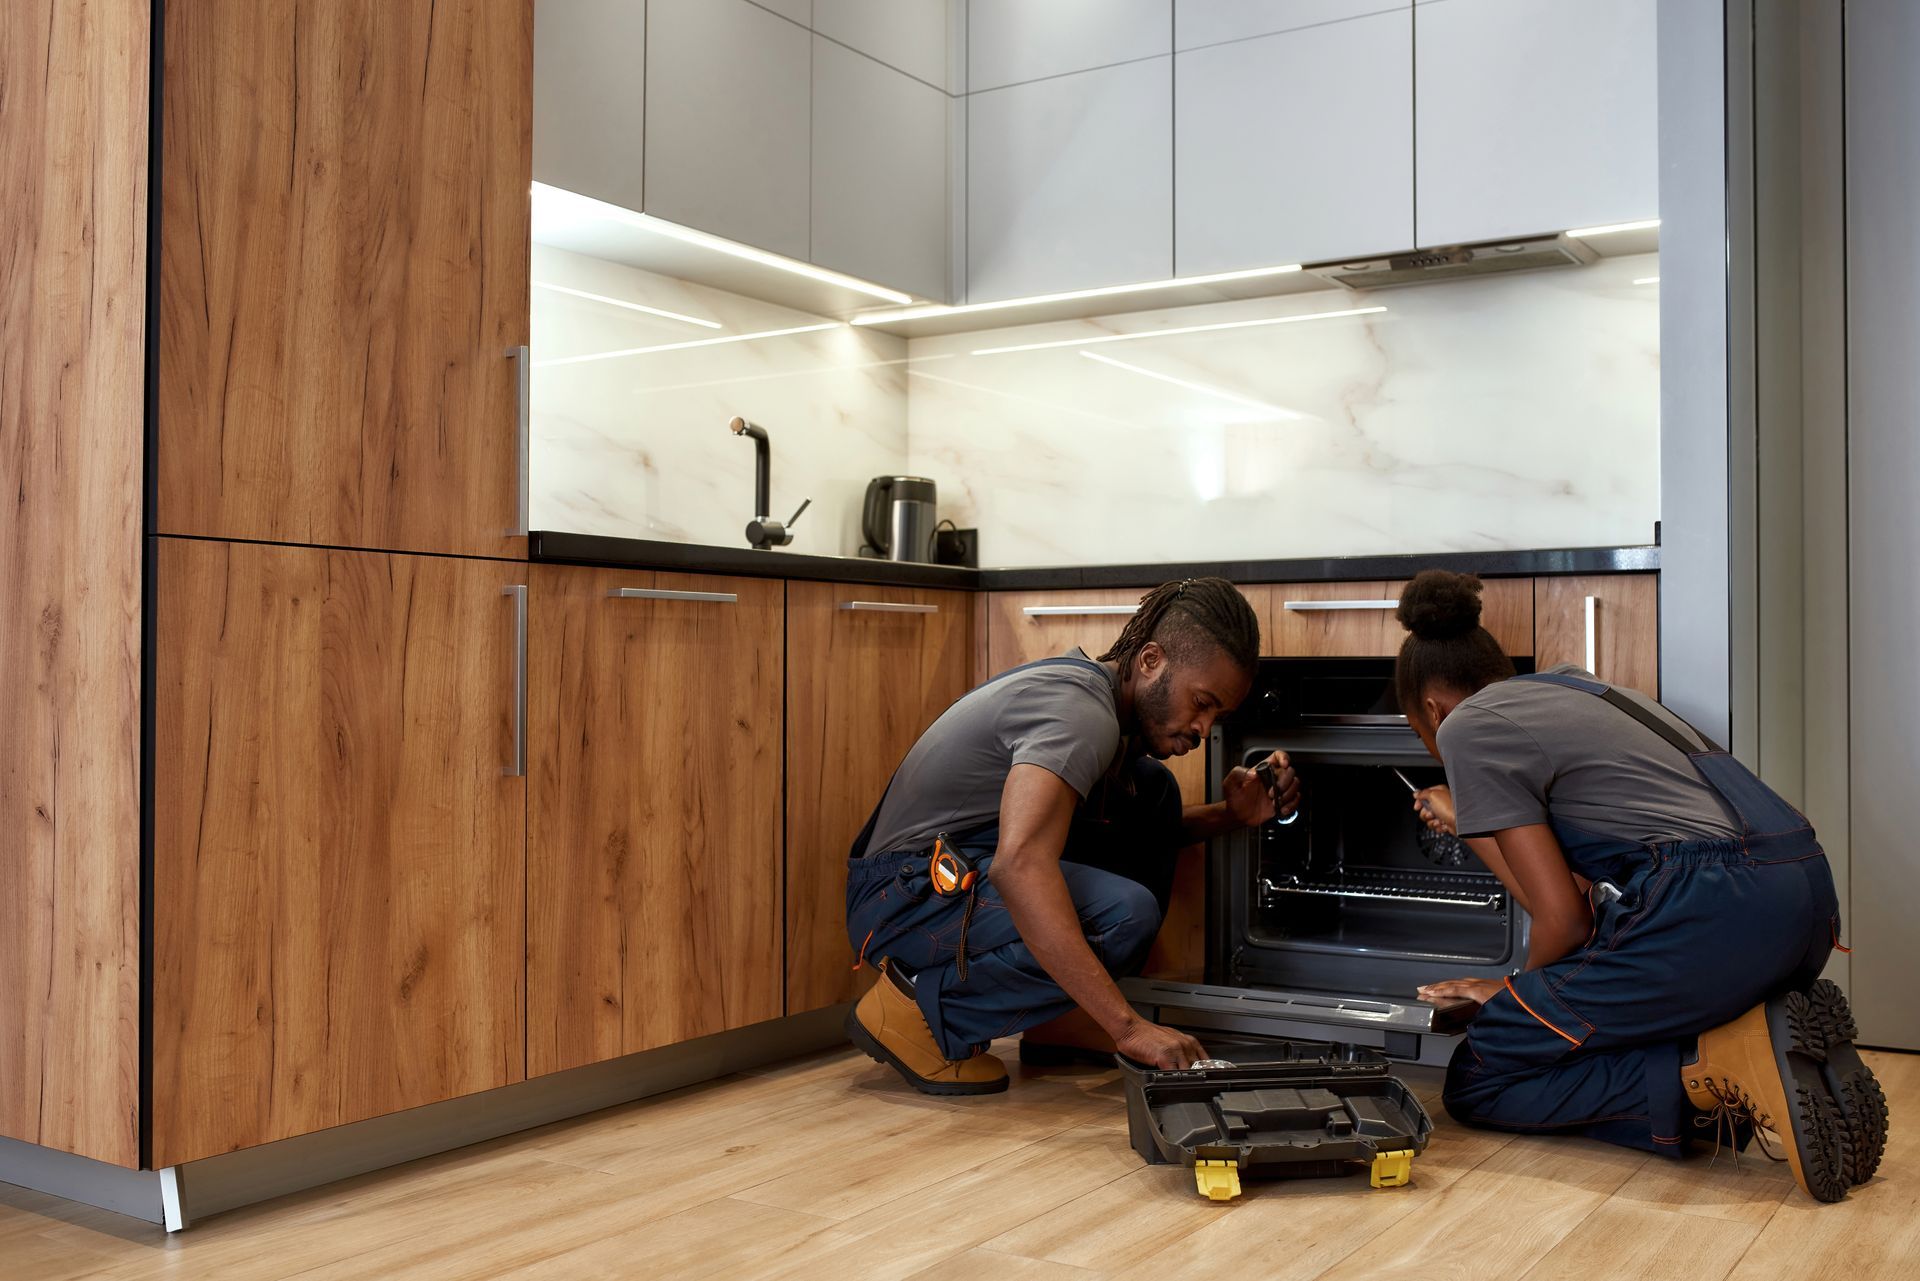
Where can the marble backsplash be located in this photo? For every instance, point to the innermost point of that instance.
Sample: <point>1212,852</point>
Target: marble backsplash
<point>1517,412</point>
<point>630,423</point>
<point>1495,414</point>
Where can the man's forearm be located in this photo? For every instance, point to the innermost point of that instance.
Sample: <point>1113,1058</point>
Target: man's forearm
<point>1044,914</point>
<point>1201,823</point>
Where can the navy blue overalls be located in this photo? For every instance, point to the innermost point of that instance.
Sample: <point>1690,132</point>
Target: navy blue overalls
<point>1701,932</point>
<point>1118,865</point>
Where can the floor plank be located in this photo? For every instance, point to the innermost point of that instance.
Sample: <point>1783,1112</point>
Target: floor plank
<point>829,1167</point>
<point>1627,1239</point>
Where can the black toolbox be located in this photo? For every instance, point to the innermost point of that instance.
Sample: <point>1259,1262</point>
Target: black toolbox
<point>1284,1109</point>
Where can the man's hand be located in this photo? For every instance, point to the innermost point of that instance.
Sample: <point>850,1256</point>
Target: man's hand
<point>1434,805</point>
<point>1479,991</point>
<point>1248,798</point>
<point>1157,1046</point>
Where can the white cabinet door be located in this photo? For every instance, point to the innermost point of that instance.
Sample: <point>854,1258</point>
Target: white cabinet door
<point>800,11</point>
<point>1294,147</point>
<point>914,36</point>
<point>1013,41</point>
<point>1205,22</point>
<point>1533,115</point>
<point>589,97</point>
<point>728,89</point>
<point>879,172</point>
<point>1070,182</point>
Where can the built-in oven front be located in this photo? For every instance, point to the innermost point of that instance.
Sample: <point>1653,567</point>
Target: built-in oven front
<point>1324,924</point>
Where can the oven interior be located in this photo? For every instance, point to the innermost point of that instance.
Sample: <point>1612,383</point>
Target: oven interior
<point>1356,871</point>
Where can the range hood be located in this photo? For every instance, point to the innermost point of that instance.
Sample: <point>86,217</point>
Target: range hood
<point>1456,262</point>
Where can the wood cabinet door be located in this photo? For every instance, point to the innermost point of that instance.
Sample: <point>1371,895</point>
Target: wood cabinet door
<point>338,850</point>
<point>1356,620</point>
<point>654,865</point>
<point>868,669</point>
<point>343,267</point>
<point>1606,623</point>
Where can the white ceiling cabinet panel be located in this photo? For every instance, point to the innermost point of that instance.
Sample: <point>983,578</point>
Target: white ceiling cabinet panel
<point>589,97</point>
<point>728,99</point>
<point>1070,182</point>
<point>1533,115</point>
<point>908,35</point>
<point>1295,147</point>
<point>1014,41</point>
<point>1205,22</point>
<point>879,172</point>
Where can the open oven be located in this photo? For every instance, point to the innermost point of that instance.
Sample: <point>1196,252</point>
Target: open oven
<point>1324,925</point>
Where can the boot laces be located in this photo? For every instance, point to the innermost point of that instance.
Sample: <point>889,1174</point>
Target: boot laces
<point>1731,1106</point>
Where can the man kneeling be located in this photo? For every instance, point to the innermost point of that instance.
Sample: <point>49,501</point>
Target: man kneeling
<point>1024,852</point>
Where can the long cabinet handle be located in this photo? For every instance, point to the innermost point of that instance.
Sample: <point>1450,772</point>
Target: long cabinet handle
<point>1304,606</point>
<point>660,593</point>
<point>523,415</point>
<point>519,767</point>
<point>887,607</point>
<point>1076,611</point>
<point>1593,633</point>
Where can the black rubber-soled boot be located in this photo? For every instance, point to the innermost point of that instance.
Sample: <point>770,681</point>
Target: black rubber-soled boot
<point>1855,1089</point>
<point>1799,1044</point>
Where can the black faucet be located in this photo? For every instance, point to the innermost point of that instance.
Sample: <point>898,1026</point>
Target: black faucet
<point>763,531</point>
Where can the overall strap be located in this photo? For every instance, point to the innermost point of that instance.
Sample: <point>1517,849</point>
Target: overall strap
<point>1770,827</point>
<point>1608,694</point>
<point>865,838</point>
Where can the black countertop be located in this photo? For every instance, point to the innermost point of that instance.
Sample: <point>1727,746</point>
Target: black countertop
<point>637,553</point>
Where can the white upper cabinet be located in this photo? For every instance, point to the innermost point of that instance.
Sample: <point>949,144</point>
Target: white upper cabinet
<point>879,172</point>
<point>589,97</point>
<point>1013,41</point>
<point>729,89</point>
<point>1070,182</point>
<point>1294,147</point>
<point>800,11</point>
<point>1205,22</point>
<point>918,37</point>
<point>1533,115</point>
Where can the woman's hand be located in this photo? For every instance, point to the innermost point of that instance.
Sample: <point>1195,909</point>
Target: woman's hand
<point>1434,805</point>
<point>1479,991</point>
<point>1247,795</point>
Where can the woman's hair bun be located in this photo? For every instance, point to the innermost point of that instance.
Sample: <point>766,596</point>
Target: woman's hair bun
<point>1438,605</point>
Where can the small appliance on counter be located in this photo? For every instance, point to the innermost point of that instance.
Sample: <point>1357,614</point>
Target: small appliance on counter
<point>898,519</point>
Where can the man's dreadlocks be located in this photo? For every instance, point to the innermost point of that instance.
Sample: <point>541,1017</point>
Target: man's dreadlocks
<point>1189,618</point>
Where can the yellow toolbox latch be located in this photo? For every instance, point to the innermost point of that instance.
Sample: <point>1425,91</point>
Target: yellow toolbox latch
<point>1392,1169</point>
<point>1217,1180</point>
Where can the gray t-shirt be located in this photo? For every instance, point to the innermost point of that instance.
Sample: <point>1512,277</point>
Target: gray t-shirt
<point>1521,752</point>
<point>1059,716</point>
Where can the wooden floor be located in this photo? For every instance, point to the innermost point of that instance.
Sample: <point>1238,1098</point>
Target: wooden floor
<point>828,1167</point>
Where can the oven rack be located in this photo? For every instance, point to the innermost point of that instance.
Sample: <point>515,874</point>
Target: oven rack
<point>1402,888</point>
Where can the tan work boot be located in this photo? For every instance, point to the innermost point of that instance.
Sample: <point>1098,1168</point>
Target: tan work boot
<point>888,1025</point>
<point>1765,1066</point>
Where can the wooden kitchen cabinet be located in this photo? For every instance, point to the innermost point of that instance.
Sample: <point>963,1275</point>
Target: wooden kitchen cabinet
<point>1356,620</point>
<point>654,865</point>
<point>343,263</point>
<point>1618,639</point>
<point>868,669</point>
<point>338,856</point>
